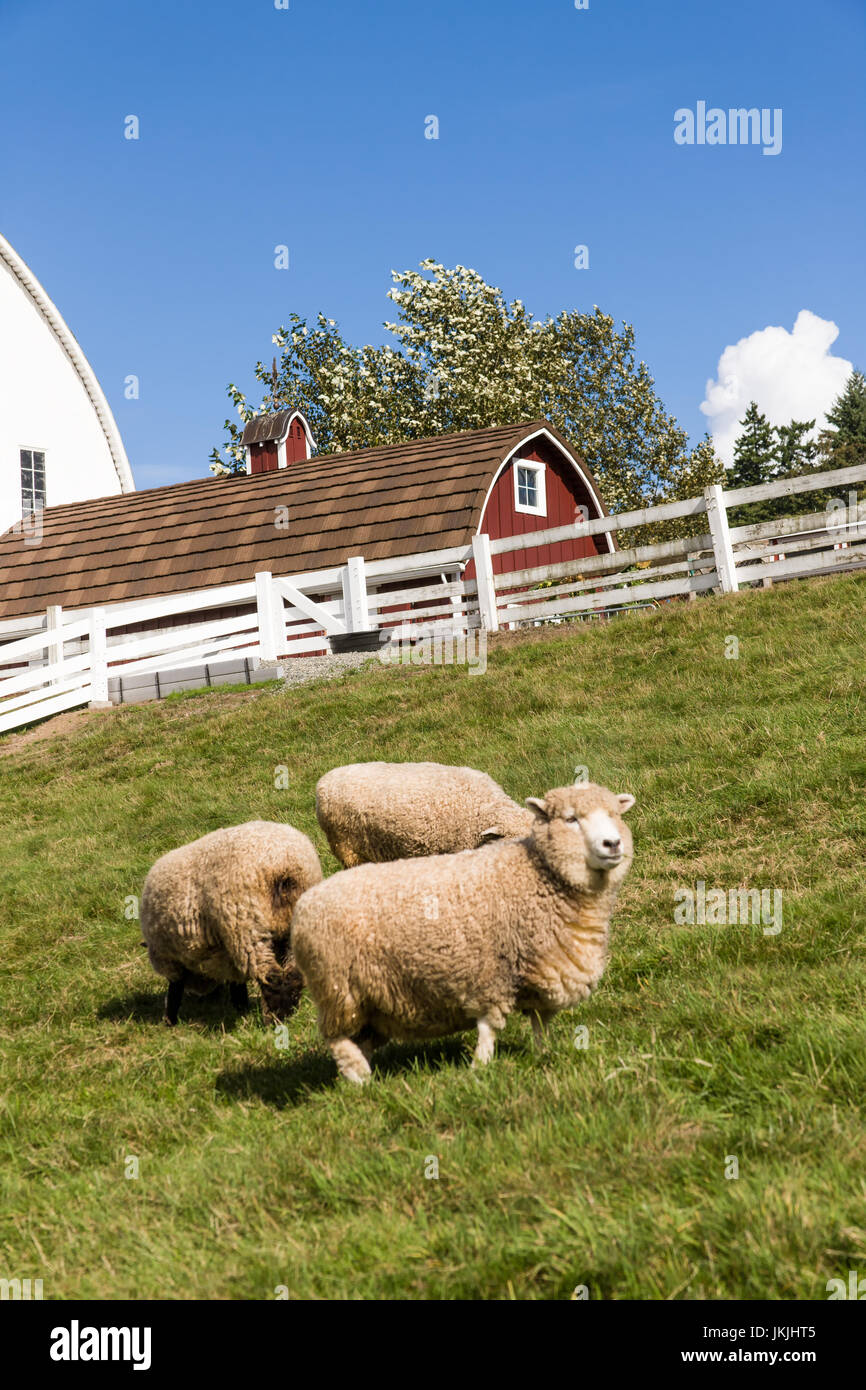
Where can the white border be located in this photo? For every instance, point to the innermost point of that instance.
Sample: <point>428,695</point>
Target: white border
<point>540,470</point>
<point>281,443</point>
<point>536,434</point>
<point>86,375</point>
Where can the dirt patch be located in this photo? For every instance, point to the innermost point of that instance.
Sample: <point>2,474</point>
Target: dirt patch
<point>57,727</point>
<point>74,721</point>
<point>188,706</point>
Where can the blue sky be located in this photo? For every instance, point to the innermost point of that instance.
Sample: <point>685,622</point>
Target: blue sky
<point>306,127</point>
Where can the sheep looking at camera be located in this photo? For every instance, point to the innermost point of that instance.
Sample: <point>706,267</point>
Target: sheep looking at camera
<point>424,947</point>
<point>220,909</point>
<point>376,812</point>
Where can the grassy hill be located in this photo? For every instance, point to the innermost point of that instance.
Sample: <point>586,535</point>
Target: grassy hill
<point>603,1166</point>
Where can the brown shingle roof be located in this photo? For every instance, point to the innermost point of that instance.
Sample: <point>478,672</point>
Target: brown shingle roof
<point>382,502</point>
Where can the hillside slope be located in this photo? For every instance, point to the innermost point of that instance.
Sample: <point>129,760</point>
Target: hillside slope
<point>608,1165</point>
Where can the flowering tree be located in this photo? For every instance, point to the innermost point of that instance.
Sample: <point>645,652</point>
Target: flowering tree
<point>465,359</point>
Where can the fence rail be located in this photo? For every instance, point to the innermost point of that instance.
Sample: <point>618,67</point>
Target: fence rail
<point>57,661</point>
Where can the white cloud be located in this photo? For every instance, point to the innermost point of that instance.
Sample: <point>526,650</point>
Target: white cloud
<point>792,376</point>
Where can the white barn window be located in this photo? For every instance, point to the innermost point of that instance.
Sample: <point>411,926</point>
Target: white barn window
<point>529,489</point>
<point>32,481</point>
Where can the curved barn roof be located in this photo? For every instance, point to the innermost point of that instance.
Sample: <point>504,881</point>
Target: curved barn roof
<point>400,500</point>
<point>264,429</point>
<point>85,373</point>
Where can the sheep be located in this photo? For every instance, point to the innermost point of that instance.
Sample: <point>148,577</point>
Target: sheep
<point>423,947</point>
<point>220,909</point>
<point>375,812</point>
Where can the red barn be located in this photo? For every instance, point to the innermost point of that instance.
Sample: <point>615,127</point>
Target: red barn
<point>298,512</point>
<point>541,484</point>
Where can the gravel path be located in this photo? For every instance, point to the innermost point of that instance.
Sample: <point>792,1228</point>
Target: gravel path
<point>300,669</point>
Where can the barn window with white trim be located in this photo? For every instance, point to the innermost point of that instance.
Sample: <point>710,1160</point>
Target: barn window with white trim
<point>529,492</point>
<point>32,481</point>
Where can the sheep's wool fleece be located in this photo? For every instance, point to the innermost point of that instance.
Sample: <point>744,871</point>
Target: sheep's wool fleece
<point>423,947</point>
<point>375,812</point>
<point>214,908</point>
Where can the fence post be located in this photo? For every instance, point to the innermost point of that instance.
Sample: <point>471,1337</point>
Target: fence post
<point>98,660</point>
<point>723,551</point>
<point>270,612</point>
<point>484,578</point>
<point>355,595</point>
<point>457,600</point>
<point>54,653</point>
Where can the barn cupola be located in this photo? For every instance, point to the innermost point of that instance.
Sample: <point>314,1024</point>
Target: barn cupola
<point>276,441</point>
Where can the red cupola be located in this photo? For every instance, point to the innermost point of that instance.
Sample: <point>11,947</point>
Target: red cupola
<point>275,441</point>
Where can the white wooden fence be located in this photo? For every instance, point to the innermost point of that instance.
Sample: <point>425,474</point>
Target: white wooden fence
<point>716,557</point>
<point>63,660</point>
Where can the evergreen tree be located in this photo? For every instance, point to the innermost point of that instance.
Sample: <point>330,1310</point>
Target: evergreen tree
<point>795,453</point>
<point>754,451</point>
<point>765,453</point>
<point>844,443</point>
<point>754,463</point>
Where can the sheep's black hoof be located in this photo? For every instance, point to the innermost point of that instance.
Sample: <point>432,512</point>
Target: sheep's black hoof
<point>169,1022</point>
<point>172,1002</point>
<point>239,996</point>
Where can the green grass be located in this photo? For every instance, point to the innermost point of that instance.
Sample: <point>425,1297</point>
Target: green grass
<point>602,1166</point>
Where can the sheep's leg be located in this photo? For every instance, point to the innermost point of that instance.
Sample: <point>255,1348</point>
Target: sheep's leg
<point>368,1040</point>
<point>172,1001</point>
<point>486,1045</point>
<point>350,1060</point>
<point>539,1023</point>
<point>239,996</point>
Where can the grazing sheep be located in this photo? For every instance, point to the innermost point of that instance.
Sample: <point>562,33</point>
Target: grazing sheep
<point>220,909</point>
<point>424,947</point>
<point>375,812</point>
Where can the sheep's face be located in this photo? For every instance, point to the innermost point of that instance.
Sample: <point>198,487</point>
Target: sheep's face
<point>281,991</point>
<point>580,828</point>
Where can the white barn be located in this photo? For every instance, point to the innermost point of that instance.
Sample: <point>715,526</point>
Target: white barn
<point>59,441</point>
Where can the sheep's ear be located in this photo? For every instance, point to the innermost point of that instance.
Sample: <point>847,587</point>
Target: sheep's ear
<point>626,801</point>
<point>493,832</point>
<point>538,807</point>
